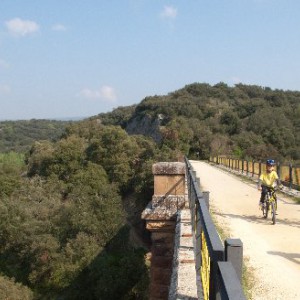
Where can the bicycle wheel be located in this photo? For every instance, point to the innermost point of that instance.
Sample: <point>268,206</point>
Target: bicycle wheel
<point>273,212</point>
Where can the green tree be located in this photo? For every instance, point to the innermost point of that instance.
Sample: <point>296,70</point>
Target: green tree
<point>178,135</point>
<point>230,121</point>
<point>117,153</point>
<point>11,166</point>
<point>9,289</point>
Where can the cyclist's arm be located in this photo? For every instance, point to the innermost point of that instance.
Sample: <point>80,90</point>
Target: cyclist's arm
<point>279,184</point>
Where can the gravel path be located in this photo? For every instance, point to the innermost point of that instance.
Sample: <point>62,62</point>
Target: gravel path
<point>272,252</point>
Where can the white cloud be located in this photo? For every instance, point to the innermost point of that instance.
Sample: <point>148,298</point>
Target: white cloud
<point>4,89</point>
<point>59,27</point>
<point>19,27</point>
<point>169,12</point>
<point>106,93</point>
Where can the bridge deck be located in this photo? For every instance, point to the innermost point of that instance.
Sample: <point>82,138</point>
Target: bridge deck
<point>271,251</point>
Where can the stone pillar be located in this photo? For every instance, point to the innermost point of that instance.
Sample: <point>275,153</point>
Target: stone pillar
<point>160,215</point>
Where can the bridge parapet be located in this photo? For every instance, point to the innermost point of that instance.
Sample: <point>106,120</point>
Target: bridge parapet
<point>215,268</point>
<point>160,215</point>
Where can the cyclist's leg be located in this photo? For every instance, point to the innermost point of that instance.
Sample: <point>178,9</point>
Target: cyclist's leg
<point>260,199</point>
<point>262,196</point>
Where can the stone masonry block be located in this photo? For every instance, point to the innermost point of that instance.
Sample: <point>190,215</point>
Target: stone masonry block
<point>163,262</point>
<point>165,237</point>
<point>161,275</point>
<point>165,226</point>
<point>162,251</point>
<point>159,214</point>
<point>168,168</point>
<point>169,202</point>
<point>169,185</point>
<point>158,292</point>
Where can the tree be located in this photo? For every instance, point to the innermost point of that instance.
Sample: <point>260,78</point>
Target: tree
<point>230,121</point>
<point>178,135</point>
<point>220,145</point>
<point>9,289</point>
<point>117,152</point>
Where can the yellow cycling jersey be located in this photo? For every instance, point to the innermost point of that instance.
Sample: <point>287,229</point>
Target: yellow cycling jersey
<point>268,179</point>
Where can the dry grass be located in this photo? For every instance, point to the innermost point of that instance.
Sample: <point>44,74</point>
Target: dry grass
<point>248,278</point>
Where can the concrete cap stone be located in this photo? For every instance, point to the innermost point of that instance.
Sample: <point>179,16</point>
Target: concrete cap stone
<point>168,168</point>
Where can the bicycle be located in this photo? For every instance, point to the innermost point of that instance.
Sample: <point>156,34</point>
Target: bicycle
<point>270,203</point>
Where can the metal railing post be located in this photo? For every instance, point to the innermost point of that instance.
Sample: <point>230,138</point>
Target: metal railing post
<point>234,254</point>
<point>206,198</point>
<point>291,175</point>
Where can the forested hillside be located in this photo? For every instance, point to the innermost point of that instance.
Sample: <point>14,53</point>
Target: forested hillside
<point>18,136</point>
<point>245,121</point>
<point>69,211</point>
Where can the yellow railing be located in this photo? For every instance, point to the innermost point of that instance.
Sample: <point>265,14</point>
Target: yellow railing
<point>289,174</point>
<point>205,267</point>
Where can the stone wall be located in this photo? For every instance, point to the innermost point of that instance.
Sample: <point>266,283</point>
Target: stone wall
<point>160,215</point>
<point>183,280</point>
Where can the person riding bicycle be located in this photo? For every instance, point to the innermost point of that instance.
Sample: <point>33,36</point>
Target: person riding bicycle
<point>267,180</point>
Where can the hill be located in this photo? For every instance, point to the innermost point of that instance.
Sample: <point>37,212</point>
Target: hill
<point>245,121</point>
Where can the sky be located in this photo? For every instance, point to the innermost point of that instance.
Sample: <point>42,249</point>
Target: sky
<point>77,58</point>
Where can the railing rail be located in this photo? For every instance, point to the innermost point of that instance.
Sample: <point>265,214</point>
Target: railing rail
<point>289,174</point>
<point>216,277</point>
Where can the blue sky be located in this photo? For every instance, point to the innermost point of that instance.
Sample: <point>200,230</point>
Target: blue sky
<point>75,58</point>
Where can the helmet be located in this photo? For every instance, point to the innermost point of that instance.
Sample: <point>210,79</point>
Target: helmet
<point>270,162</point>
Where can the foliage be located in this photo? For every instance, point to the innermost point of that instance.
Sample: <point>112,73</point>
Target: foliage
<point>47,242</point>
<point>11,166</point>
<point>201,119</point>
<point>19,135</point>
<point>119,116</point>
<point>125,276</point>
<point>231,112</point>
<point>67,214</point>
<point>9,289</point>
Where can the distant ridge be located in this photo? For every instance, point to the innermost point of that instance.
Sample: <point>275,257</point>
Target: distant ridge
<point>69,119</point>
<point>49,119</point>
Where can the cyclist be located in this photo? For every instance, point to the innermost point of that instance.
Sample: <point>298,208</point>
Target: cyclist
<point>267,180</point>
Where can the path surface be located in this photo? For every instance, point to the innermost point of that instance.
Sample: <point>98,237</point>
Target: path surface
<point>272,252</point>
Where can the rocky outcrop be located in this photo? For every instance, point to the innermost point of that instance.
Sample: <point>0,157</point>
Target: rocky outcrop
<point>145,125</point>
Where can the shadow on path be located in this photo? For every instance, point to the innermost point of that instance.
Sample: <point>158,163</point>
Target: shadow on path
<point>259,219</point>
<point>293,257</point>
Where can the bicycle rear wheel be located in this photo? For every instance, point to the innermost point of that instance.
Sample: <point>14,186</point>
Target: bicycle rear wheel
<point>273,212</point>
